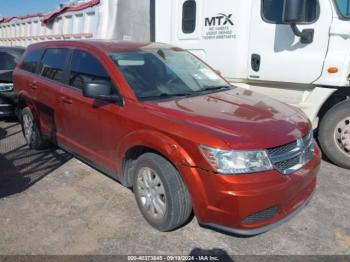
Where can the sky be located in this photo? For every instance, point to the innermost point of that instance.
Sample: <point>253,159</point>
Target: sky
<point>22,7</point>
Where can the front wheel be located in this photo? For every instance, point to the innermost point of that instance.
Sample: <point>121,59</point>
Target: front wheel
<point>334,134</point>
<point>160,193</point>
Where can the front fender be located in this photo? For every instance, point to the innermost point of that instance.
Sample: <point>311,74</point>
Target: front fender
<point>175,153</point>
<point>156,141</point>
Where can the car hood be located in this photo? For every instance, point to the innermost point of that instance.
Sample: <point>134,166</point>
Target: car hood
<point>242,118</point>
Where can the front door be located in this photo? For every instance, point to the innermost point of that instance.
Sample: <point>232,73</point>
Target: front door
<point>276,54</point>
<point>88,127</point>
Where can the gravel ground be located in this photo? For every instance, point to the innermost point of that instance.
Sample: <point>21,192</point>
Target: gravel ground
<point>51,203</point>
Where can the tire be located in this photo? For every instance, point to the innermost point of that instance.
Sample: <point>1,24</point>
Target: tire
<point>333,135</point>
<point>165,179</point>
<point>31,131</point>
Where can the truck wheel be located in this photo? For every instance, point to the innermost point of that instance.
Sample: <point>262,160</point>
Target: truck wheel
<point>334,134</point>
<point>160,193</point>
<point>31,130</point>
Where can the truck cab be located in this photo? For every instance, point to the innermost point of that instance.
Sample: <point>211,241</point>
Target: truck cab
<point>292,50</point>
<point>295,51</point>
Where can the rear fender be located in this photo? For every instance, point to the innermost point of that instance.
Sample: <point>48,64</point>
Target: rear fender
<point>24,101</point>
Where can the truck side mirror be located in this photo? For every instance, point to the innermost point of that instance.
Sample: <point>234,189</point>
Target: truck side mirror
<point>295,12</point>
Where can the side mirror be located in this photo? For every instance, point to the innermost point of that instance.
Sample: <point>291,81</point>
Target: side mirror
<point>295,12</point>
<point>101,90</point>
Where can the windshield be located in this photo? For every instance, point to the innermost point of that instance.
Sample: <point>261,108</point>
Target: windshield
<point>9,59</point>
<point>163,73</point>
<point>343,7</point>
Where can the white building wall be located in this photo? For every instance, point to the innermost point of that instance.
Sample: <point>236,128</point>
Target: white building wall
<point>93,22</point>
<point>110,19</point>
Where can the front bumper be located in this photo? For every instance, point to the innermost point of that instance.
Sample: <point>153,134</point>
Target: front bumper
<point>250,204</point>
<point>260,230</point>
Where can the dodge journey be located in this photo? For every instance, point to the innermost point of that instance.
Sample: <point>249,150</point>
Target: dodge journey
<point>165,124</point>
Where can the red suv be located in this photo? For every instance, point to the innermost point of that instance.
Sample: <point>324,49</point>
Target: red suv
<point>165,124</point>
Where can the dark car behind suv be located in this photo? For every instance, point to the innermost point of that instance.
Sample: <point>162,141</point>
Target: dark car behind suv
<point>9,56</point>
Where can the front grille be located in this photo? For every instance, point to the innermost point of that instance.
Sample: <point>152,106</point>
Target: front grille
<point>282,149</point>
<point>287,164</point>
<point>293,156</point>
<point>260,216</point>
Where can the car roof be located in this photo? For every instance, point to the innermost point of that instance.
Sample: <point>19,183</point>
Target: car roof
<point>104,45</point>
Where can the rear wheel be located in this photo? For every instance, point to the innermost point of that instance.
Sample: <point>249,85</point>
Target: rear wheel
<point>31,130</point>
<point>161,195</point>
<point>334,134</point>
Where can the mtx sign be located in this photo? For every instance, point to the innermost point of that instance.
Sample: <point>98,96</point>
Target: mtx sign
<point>218,27</point>
<point>220,19</point>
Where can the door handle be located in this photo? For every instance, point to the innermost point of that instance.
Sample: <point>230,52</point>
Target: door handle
<point>255,62</point>
<point>66,100</point>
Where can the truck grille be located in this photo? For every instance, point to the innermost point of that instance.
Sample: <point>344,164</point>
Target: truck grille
<point>293,156</point>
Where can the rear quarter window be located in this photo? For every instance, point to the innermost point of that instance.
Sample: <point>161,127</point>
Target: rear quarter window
<point>31,60</point>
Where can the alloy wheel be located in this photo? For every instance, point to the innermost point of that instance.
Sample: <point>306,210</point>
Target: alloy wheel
<point>27,127</point>
<point>151,193</point>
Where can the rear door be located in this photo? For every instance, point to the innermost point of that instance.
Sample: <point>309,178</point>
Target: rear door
<point>52,77</point>
<point>273,45</point>
<point>26,74</point>
<point>89,127</point>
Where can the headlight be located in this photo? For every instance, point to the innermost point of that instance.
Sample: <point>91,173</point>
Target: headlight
<point>236,162</point>
<point>6,87</point>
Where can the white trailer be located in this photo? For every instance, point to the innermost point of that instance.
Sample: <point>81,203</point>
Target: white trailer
<point>91,19</point>
<point>297,51</point>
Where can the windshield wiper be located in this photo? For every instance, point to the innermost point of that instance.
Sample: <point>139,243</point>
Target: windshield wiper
<point>165,95</point>
<point>213,88</point>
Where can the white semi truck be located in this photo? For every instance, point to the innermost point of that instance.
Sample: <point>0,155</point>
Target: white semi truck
<point>297,51</point>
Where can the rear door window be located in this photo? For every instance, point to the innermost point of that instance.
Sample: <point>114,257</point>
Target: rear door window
<point>86,68</point>
<point>53,64</point>
<point>31,60</point>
